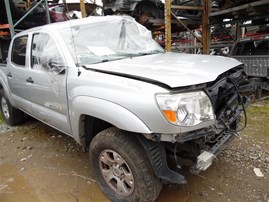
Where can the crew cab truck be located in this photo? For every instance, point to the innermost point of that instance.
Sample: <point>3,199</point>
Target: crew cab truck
<point>144,115</point>
<point>253,52</point>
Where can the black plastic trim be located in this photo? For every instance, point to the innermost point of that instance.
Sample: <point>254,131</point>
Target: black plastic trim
<point>157,156</point>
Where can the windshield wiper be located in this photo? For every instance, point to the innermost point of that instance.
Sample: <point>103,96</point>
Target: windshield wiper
<point>146,53</point>
<point>102,61</point>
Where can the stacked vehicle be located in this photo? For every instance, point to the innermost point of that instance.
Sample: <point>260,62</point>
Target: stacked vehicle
<point>254,53</point>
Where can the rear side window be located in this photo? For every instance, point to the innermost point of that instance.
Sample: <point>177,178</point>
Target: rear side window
<point>18,54</point>
<point>262,48</point>
<point>259,47</point>
<point>245,48</point>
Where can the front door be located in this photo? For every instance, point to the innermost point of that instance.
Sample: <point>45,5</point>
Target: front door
<point>48,90</point>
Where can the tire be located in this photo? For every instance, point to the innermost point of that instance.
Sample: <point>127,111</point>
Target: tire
<point>11,115</point>
<point>121,167</point>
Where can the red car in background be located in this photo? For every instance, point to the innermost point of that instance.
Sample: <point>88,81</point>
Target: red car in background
<point>57,13</point>
<point>37,17</point>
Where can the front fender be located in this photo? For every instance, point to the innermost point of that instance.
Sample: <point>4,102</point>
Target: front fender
<point>105,110</point>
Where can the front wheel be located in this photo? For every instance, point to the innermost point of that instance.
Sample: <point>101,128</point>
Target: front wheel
<point>11,115</point>
<point>121,167</point>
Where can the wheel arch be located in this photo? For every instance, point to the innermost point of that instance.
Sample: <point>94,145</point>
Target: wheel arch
<point>87,112</point>
<point>4,89</point>
<point>146,6</point>
<point>89,127</point>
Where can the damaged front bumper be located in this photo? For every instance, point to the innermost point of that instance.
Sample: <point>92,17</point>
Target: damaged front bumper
<point>198,149</point>
<point>229,106</point>
<point>206,158</point>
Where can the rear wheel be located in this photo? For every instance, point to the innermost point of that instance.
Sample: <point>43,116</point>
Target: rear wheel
<point>121,167</point>
<point>11,115</point>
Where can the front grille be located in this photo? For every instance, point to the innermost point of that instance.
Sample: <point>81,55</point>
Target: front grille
<point>226,99</point>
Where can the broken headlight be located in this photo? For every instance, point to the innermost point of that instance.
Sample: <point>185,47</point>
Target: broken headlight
<point>186,109</point>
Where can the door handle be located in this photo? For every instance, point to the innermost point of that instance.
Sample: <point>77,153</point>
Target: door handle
<point>9,75</point>
<point>30,80</point>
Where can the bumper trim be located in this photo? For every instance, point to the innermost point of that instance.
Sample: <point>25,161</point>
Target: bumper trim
<point>206,158</point>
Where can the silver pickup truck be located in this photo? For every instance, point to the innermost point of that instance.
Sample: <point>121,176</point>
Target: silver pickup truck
<point>144,115</point>
<point>253,52</point>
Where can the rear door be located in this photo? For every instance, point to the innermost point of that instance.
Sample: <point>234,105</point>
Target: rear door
<point>17,73</point>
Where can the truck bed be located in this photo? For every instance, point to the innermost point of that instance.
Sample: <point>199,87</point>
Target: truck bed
<point>255,65</point>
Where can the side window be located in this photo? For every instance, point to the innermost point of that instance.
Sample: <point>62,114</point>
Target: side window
<point>45,54</point>
<point>249,48</point>
<point>18,54</point>
<point>238,49</point>
<point>262,48</point>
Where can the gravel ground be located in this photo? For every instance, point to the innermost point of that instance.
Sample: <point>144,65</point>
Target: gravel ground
<point>6,128</point>
<point>38,163</point>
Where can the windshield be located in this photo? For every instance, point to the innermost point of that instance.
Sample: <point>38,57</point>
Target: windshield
<point>106,40</point>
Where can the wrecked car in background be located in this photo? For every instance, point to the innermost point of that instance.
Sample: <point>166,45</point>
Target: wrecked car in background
<point>144,10</point>
<point>141,10</point>
<point>36,18</point>
<point>144,115</point>
<point>58,12</point>
<point>253,52</point>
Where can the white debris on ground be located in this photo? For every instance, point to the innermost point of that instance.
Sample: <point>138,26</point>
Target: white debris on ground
<point>258,172</point>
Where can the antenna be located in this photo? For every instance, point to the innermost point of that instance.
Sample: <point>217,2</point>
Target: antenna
<point>73,36</point>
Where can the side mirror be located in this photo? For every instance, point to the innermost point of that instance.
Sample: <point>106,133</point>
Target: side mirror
<point>53,64</point>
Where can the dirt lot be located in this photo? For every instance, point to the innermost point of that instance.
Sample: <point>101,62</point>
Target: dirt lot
<point>37,163</point>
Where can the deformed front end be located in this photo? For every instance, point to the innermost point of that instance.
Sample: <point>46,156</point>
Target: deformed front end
<point>198,149</point>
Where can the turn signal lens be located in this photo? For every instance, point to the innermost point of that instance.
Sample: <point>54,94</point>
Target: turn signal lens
<point>170,116</point>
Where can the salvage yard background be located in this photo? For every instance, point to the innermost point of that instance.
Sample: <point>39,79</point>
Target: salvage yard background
<point>37,163</point>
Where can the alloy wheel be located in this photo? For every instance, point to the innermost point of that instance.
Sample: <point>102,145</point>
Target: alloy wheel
<point>116,172</point>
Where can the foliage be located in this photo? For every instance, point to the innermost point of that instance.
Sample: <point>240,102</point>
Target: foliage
<point>258,117</point>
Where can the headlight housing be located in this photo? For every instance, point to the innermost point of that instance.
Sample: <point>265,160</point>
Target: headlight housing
<point>186,109</point>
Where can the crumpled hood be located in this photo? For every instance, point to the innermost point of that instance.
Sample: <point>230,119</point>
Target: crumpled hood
<point>172,69</point>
